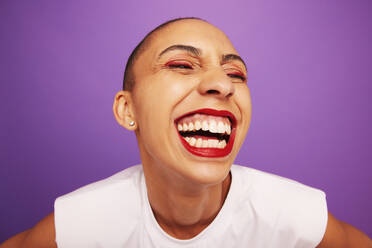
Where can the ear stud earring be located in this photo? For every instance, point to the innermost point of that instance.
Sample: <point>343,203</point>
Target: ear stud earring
<point>131,123</point>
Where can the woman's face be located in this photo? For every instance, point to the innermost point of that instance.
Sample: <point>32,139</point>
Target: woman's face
<point>191,102</point>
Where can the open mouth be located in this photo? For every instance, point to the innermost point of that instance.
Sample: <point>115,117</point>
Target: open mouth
<point>207,132</point>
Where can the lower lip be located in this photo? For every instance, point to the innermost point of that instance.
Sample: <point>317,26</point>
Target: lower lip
<point>210,152</point>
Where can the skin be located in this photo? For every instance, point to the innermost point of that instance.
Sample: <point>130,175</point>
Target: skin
<point>185,191</point>
<point>195,186</point>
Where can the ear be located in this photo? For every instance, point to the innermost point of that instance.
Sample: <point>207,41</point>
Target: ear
<point>123,110</point>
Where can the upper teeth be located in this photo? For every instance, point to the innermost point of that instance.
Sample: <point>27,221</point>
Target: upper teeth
<point>212,126</point>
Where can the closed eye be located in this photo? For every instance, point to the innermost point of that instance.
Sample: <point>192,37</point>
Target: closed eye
<point>239,76</point>
<point>178,65</point>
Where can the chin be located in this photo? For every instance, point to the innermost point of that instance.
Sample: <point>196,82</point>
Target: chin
<point>207,173</point>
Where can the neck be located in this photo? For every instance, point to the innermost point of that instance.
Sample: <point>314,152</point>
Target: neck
<point>182,209</point>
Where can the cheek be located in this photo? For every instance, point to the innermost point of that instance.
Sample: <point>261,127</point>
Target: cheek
<point>155,98</point>
<point>161,92</point>
<point>243,97</point>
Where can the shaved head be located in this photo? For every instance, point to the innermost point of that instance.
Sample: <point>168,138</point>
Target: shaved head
<point>129,78</point>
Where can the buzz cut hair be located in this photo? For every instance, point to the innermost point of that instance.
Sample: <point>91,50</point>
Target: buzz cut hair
<point>129,79</point>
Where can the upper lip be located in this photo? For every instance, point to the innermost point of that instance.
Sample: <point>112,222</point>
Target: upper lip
<point>214,112</point>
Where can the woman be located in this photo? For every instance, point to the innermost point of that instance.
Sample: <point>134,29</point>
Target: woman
<point>186,98</point>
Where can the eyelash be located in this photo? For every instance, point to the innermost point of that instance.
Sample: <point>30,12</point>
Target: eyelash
<point>240,76</point>
<point>189,67</point>
<point>178,65</point>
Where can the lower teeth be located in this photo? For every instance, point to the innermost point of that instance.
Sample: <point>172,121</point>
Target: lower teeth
<point>205,143</point>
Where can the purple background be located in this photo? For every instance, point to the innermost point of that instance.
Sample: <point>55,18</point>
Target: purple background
<point>62,62</point>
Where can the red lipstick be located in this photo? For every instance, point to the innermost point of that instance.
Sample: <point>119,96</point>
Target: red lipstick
<point>205,151</point>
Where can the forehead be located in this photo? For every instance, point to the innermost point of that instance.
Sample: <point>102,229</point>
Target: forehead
<point>199,34</point>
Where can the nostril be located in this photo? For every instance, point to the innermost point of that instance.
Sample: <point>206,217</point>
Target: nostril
<point>213,92</point>
<point>216,92</point>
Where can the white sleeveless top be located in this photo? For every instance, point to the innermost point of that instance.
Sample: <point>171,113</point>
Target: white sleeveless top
<point>261,210</point>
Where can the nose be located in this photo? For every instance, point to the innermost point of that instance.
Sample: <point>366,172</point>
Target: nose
<point>216,83</point>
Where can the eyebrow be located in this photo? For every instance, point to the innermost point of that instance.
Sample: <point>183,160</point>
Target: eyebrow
<point>197,52</point>
<point>230,57</point>
<point>193,50</point>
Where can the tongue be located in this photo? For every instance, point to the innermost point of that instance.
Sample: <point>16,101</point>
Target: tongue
<point>203,137</point>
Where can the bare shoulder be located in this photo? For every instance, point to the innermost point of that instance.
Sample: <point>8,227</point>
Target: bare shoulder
<point>42,235</point>
<point>342,235</point>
